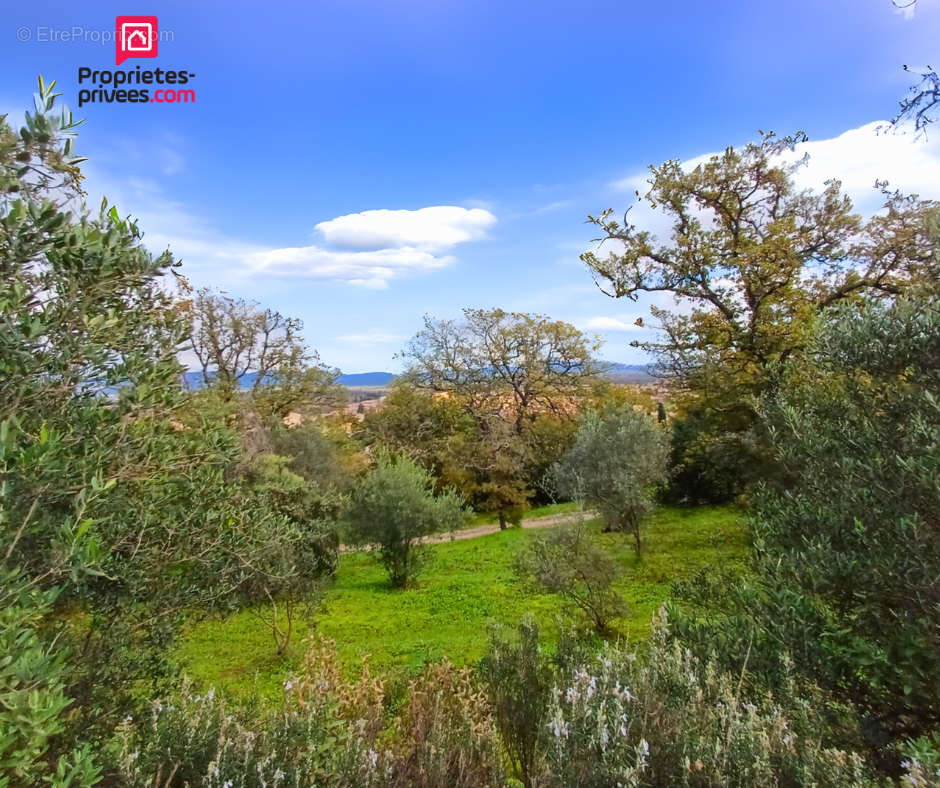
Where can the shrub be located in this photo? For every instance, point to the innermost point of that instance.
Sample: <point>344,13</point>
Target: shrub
<point>518,679</point>
<point>329,731</point>
<point>566,561</point>
<point>394,508</point>
<point>665,718</point>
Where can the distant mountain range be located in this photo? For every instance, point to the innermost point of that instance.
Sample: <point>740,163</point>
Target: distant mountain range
<point>624,373</point>
<point>366,379</point>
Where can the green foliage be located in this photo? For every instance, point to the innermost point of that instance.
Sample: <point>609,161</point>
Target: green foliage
<point>757,259</point>
<point>393,508</point>
<point>32,694</point>
<point>617,460</point>
<point>713,458</point>
<point>115,489</point>
<point>568,562</point>
<point>518,678</point>
<point>846,566</point>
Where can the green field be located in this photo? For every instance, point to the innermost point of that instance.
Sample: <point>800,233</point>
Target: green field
<point>466,587</point>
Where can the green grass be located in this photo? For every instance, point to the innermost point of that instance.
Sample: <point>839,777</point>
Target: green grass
<point>466,587</point>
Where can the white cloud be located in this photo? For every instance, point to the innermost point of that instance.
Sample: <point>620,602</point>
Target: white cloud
<point>434,228</point>
<point>857,157</point>
<point>608,324</point>
<point>861,156</point>
<point>370,269</point>
<point>211,255</point>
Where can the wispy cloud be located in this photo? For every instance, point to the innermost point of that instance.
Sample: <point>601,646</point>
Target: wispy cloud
<point>609,324</point>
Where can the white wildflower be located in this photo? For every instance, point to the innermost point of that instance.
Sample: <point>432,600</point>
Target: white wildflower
<point>559,728</point>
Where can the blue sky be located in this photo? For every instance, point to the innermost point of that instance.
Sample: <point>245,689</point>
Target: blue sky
<point>490,129</point>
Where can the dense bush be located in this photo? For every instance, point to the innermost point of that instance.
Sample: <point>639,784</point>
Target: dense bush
<point>845,572</point>
<point>711,462</point>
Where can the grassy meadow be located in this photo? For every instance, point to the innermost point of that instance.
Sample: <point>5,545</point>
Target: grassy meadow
<point>466,588</point>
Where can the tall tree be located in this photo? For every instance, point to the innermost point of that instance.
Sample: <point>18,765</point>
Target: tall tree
<point>233,338</point>
<point>116,514</point>
<point>755,259</point>
<point>506,369</point>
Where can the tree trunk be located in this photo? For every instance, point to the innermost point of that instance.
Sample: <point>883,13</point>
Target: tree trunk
<point>502,521</point>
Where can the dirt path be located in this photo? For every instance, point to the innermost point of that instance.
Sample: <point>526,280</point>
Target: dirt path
<point>492,528</point>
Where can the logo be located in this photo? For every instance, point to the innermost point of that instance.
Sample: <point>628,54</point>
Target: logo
<point>135,36</point>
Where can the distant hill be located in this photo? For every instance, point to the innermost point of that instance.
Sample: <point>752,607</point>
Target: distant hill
<point>628,373</point>
<point>193,379</point>
<point>366,379</point>
<point>622,373</point>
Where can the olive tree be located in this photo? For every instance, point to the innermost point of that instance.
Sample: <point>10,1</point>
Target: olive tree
<point>116,502</point>
<point>394,508</point>
<point>617,460</point>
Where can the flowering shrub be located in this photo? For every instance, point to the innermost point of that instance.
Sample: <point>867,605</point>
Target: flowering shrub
<point>668,719</point>
<point>329,731</point>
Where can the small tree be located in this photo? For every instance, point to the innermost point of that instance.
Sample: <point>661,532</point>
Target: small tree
<point>569,563</point>
<point>617,459</point>
<point>394,508</point>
